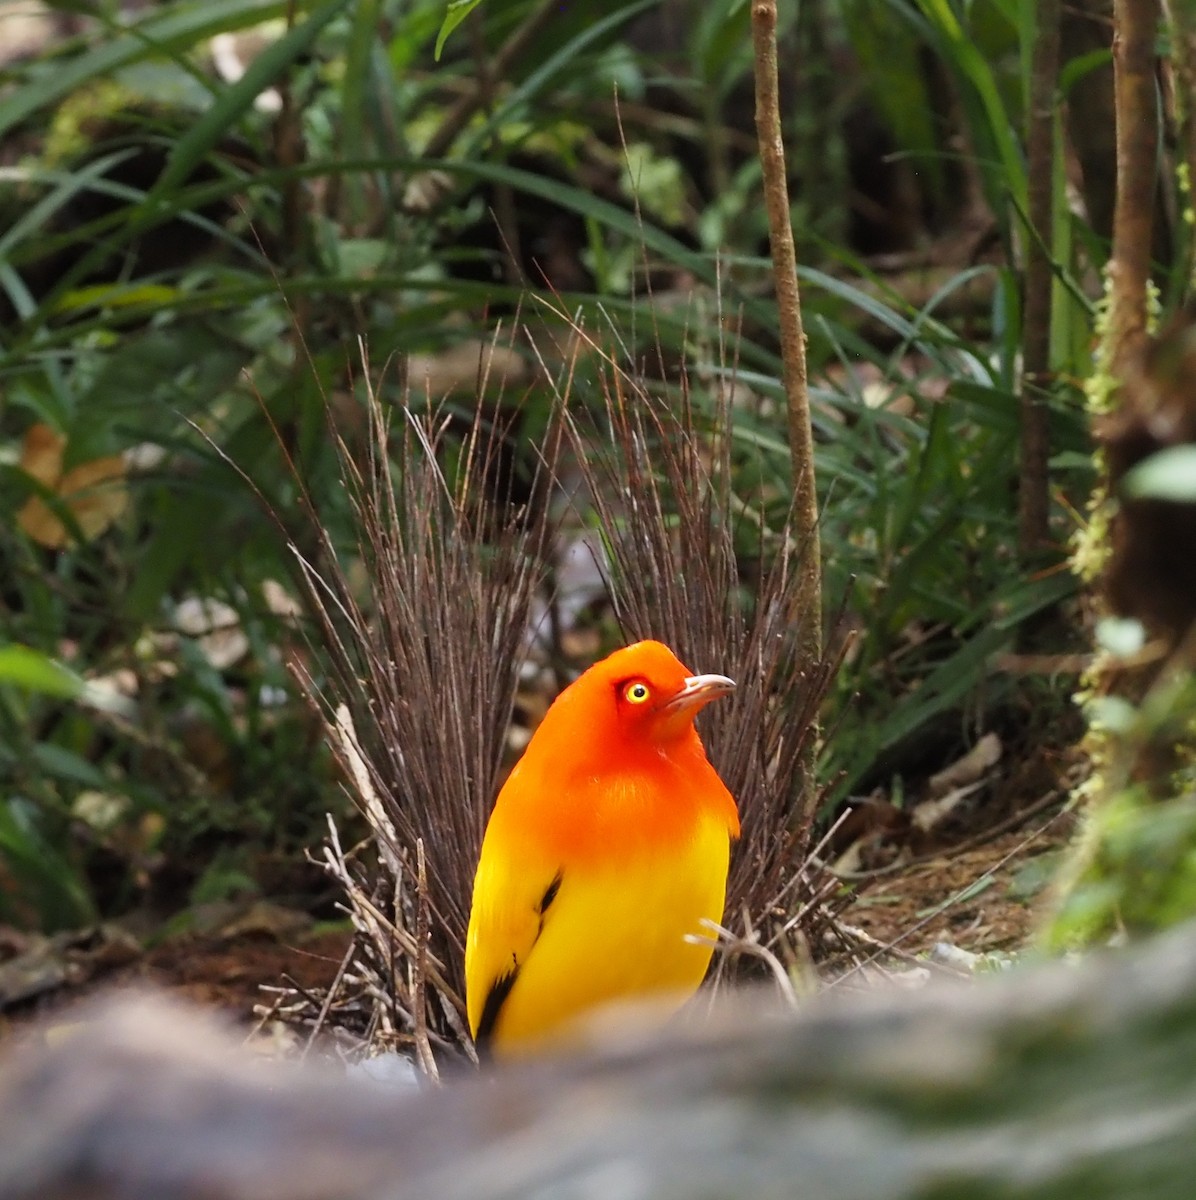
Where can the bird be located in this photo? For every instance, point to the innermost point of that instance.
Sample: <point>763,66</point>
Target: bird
<point>607,845</point>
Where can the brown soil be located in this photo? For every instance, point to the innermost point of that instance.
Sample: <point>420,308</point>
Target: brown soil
<point>229,973</point>
<point>985,898</point>
<point>217,971</point>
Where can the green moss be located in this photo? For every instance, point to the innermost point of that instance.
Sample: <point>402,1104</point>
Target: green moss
<point>1138,869</point>
<point>1133,867</point>
<point>68,136</point>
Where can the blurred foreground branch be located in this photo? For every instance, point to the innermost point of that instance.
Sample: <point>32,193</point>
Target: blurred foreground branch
<point>1037,1084</point>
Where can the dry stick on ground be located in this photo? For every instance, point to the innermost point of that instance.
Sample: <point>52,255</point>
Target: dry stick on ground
<point>418,967</point>
<point>1034,477</point>
<point>384,943</point>
<point>808,609</point>
<point>1136,28</point>
<point>747,944</point>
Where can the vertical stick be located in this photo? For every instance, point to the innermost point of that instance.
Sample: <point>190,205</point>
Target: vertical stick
<point>793,359</point>
<point>1136,24</point>
<point>1181,16</point>
<point>1034,477</point>
<point>419,998</point>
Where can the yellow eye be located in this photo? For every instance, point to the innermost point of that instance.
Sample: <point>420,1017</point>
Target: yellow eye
<point>636,693</point>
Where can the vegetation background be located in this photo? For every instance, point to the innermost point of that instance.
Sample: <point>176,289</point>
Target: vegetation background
<point>223,223</point>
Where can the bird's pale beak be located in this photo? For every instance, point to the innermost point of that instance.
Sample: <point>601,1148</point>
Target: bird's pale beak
<point>696,691</point>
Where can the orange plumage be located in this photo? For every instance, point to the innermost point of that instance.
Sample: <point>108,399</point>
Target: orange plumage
<point>607,845</point>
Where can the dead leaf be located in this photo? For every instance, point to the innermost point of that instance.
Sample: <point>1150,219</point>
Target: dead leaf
<point>930,813</point>
<point>216,627</point>
<point>70,958</point>
<point>41,454</point>
<point>94,491</point>
<point>873,830</point>
<point>982,757</point>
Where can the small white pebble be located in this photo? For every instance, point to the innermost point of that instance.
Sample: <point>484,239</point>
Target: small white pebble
<point>948,955</point>
<point>394,1071</point>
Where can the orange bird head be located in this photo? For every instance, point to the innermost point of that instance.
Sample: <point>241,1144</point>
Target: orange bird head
<point>638,698</point>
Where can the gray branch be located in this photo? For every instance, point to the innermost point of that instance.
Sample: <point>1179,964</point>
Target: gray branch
<point>1051,1081</point>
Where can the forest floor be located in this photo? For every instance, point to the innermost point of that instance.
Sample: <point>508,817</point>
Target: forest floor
<point>986,896</point>
<point>980,889</point>
<point>971,867</point>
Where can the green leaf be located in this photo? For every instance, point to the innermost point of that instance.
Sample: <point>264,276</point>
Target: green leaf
<point>61,763</point>
<point>36,672</point>
<point>24,667</point>
<point>43,876</point>
<point>1168,475</point>
<point>456,12</point>
<point>263,71</point>
<point>563,62</point>
<point>1081,66</point>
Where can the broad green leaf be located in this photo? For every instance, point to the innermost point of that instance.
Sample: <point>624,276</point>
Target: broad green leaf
<point>43,875</point>
<point>27,668</point>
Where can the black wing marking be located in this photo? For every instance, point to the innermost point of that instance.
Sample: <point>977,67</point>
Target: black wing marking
<point>548,897</point>
<point>501,988</point>
<point>495,999</point>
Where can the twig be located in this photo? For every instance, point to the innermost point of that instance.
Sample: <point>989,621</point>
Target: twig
<point>808,602</point>
<point>419,967</point>
<point>434,971</point>
<point>1054,796</point>
<point>329,997</point>
<point>733,944</point>
<point>384,832</point>
<point>889,949</point>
